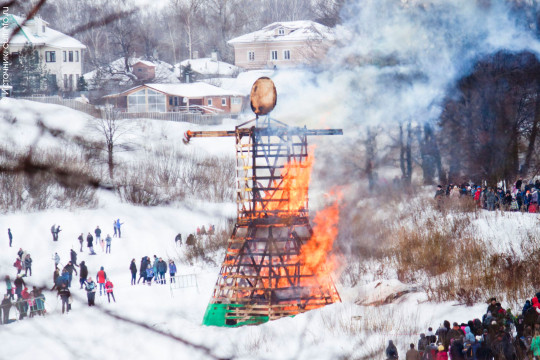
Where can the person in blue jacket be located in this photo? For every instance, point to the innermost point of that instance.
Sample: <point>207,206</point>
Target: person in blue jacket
<point>172,270</point>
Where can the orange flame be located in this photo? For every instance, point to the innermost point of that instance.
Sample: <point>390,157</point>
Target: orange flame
<point>314,254</point>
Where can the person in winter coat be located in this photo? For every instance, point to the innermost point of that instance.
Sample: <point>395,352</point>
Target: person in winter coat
<point>83,275</point>
<point>70,269</point>
<point>101,276</point>
<point>535,345</point>
<point>90,291</point>
<point>412,354</point>
<point>526,307</point>
<point>154,268</point>
<point>391,351</point>
<point>56,259</point>
<point>56,275</point>
<point>469,336</point>
<point>133,269</point>
<point>442,354</point>
<point>422,343</point>
<point>73,256</point>
<point>172,270</point>
<point>18,265</point>
<point>5,306</point>
<point>144,266</point>
<point>10,237</point>
<point>90,243</point>
<point>108,240</point>
<point>97,231</point>
<point>64,294</point>
<point>81,240</point>
<point>19,284</point>
<point>9,287</point>
<point>149,274</point>
<point>109,288</point>
<point>162,270</point>
<point>27,265</point>
<point>118,227</point>
<point>178,239</point>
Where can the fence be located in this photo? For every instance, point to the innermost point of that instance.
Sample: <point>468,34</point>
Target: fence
<point>183,281</point>
<point>70,103</point>
<point>194,118</point>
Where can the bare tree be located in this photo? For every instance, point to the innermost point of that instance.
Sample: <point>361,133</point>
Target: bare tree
<point>113,129</point>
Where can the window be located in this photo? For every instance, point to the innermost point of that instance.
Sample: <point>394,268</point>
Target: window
<point>274,54</point>
<point>170,100</point>
<point>70,57</point>
<point>76,56</point>
<point>65,56</point>
<point>223,101</point>
<point>286,54</point>
<point>176,101</point>
<point>50,56</point>
<point>251,55</point>
<point>156,101</point>
<point>139,69</point>
<point>70,82</point>
<point>65,81</point>
<point>281,31</point>
<point>209,102</point>
<point>137,101</point>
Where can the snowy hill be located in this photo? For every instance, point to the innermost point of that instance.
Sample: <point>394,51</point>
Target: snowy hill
<point>151,321</point>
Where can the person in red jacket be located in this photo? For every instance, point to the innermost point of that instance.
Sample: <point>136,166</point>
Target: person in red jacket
<point>109,288</point>
<point>101,277</point>
<point>18,264</point>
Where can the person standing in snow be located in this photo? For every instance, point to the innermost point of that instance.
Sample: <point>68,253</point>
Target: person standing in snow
<point>18,265</point>
<point>10,236</point>
<point>83,274</point>
<point>178,240</point>
<point>53,232</point>
<point>412,354</point>
<point>97,231</point>
<point>172,270</point>
<point>101,276</point>
<point>27,265</point>
<point>91,291</point>
<point>118,227</point>
<point>108,241</point>
<point>144,266</point>
<point>70,268</point>
<point>115,227</point>
<point>162,270</point>
<point>56,259</point>
<point>73,255</point>
<point>133,269</point>
<point>9,287</point>
<point>149,274</point>
<point>5,306</point>
<point>56,275</point>
<point>109,288</point>
<point>81,240</point>
<point>20,253</point>
<point>64,294</point>
<point>391,351</point>
<point>19,284</point>
<point>90,243</point>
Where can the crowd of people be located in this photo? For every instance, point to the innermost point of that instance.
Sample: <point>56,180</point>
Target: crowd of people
<point>499,335</point>
<point>152,270</point>
<point>523,196</point>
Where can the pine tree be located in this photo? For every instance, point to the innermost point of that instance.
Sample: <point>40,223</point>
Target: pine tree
<point>82,85</point>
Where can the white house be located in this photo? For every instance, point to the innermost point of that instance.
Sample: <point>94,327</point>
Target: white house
<point>205,68</point>
<point>282,44</point>
<point>61,54</point>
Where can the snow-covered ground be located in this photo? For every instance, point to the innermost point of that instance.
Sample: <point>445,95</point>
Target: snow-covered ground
<point>153,322</point>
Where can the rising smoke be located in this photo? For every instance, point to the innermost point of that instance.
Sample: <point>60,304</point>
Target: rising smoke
<point>396,61</point>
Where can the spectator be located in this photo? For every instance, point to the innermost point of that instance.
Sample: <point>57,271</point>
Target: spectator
<point>391,351</point>
<point>91,291</point>
<point>109,288</point>
<point>133,269</point>
<point>64,294</point>
<point>81,240</point>
<point>412,353</point>
<point>108,241</point>
<point>101,276</point>
<point>27,265</point>
<point>10,237</point>
<point>172,270</point>
<point>83,274</point>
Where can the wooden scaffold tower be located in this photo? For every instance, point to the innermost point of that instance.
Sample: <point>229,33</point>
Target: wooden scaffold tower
<point>262,276</point>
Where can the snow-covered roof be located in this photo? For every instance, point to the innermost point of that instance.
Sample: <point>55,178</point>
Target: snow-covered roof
<point>32,32</point>
<point>163,71</point>
<point>241,84</point>
<point>292,31</point>
<point>146,62</point>
<point>192,90</point>
<point>209,66</point>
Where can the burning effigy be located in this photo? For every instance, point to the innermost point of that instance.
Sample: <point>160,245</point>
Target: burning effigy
<point>276,264</point>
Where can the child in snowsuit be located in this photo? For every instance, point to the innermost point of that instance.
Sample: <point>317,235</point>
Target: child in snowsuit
<point>109,288</point>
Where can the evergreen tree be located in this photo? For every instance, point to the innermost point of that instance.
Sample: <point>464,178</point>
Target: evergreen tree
<point>82,85</point>
<point>29,75</point>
